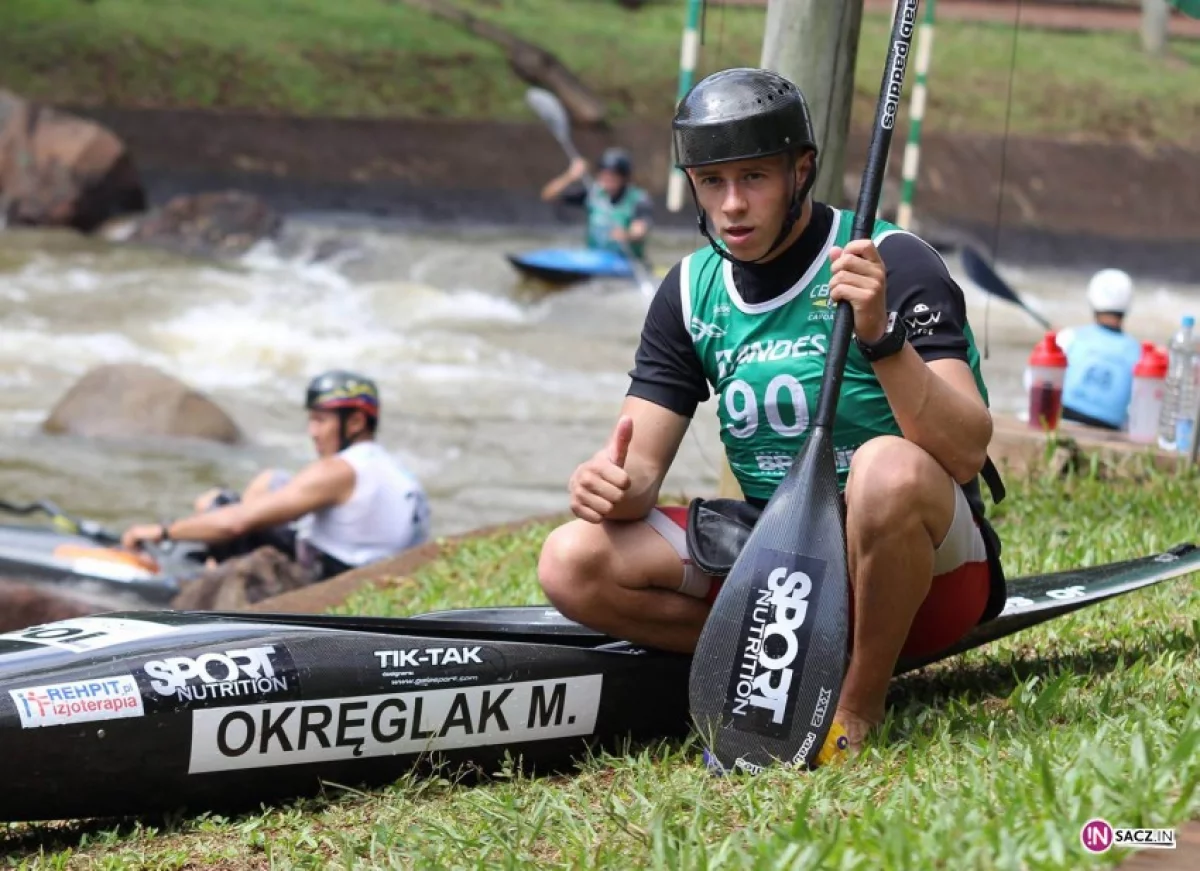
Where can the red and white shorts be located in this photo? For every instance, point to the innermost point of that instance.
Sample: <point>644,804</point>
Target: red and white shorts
<point>956,600</point>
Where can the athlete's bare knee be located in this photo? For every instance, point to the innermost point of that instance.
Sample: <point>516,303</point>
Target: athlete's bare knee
<point>574,559</point>
<point>887,482</point>
<point>898,488</point>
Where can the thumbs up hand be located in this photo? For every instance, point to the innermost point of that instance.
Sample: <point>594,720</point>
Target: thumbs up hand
<point>599,484</point>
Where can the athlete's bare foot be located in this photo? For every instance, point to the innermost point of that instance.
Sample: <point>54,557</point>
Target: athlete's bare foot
<point>857,729</point>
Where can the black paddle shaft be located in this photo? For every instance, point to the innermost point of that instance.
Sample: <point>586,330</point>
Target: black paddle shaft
<point>886,112</point>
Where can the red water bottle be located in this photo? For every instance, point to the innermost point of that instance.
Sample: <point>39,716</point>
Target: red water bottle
<point>1047,369</point>
<point>1149,386</point>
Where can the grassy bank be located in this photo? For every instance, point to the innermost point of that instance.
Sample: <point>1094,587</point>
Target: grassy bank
<point>991,760</point>
<point>367,57</point>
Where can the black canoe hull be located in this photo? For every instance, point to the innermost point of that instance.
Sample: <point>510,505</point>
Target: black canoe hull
<point>222,714</point>
<point>152,711</point>
<point>44,555</point>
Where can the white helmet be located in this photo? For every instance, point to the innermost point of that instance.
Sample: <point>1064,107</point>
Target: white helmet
<point>1110,290</point>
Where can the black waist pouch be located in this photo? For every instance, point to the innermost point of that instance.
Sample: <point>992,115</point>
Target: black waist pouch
<point>717,530</point>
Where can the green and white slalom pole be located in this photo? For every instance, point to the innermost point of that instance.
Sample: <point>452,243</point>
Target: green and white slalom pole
<point>912,149</point>
<point>688,55</point>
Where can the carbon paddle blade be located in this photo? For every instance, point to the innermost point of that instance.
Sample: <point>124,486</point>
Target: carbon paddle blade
<point>768,667</point>
<point>983,275</point>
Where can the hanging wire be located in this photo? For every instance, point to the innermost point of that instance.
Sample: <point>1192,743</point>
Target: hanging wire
<point>692,430</point>
<point>997,223</point>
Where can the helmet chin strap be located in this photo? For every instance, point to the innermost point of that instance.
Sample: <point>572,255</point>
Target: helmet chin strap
<point>344,440</point>
<point>795,210</point>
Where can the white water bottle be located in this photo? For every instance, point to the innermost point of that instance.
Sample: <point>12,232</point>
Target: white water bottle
<point>1145,403</point>
<point>1189,396</point>
<point>1179,370</point>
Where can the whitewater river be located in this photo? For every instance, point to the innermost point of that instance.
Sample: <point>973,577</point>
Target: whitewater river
<point>493,390</point>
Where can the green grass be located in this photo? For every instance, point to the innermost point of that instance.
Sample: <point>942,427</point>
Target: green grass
<point>371,58</point>
<point>991,760</point>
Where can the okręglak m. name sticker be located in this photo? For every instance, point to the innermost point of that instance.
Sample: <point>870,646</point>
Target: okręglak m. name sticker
<point>322,730</point>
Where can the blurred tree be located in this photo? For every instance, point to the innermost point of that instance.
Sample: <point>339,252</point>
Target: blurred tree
<point>531,62</point>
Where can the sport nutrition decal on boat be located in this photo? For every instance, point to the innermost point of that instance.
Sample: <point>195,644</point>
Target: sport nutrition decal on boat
<point>262,736</point>
<point>241,674</point>
<point>87,633</point>
<point>79,701</point>
<point>776,630</point>
<point>436,666</point>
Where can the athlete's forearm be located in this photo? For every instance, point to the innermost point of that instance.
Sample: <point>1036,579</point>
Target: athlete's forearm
<point>952,426</point>
<point>644,485</point>
<point>222,524</point>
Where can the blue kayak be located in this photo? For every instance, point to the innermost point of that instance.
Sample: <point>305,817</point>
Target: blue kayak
<point>565,265</point>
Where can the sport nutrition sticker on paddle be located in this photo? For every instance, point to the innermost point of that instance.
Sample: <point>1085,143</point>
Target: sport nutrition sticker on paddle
<point>775,635</point>
<point>323,730</point>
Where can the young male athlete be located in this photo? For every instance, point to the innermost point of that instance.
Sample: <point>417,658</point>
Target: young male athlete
<point>353,505</point>
<point>750,316</point>
<point>619,213</point>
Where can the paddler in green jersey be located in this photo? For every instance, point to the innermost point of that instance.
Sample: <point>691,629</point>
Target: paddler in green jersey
<point>748,318</point>
<point>619,213</point>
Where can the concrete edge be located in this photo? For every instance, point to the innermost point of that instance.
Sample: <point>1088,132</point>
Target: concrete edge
<point>318,598</point>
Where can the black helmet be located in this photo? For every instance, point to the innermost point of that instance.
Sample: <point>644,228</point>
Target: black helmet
<point>617,160</point>
<point>339,390</point>
<point>738,114</point>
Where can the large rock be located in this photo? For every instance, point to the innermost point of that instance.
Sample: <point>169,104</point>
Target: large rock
<point>60,170</point>
<point>128,400</point>
<point>23,605</point>
<point>236,584</point>
<point>225,223</point>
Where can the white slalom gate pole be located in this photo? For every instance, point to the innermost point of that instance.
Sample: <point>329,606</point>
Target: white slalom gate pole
<point>912,149</point>
<point>688,55</point>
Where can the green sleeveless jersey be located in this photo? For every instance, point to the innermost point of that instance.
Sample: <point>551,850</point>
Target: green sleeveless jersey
<point>765,361</point>
<point>603,215</point>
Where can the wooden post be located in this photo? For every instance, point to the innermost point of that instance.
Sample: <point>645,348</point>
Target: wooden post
<point>1156,17</point>
<point>814,43</point>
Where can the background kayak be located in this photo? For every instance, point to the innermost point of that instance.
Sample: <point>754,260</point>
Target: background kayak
<point>85,556</point>
<point>565,265</point>
<point>46,556</point>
